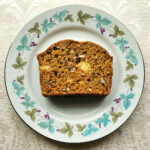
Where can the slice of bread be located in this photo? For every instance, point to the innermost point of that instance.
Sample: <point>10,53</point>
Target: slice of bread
<point>71,67</point>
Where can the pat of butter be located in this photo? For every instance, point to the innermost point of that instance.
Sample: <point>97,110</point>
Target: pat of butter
<point>84,66</point>
<point>45,67</point>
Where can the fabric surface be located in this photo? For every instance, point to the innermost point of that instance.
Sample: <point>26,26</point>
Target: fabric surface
<point>134,134</point>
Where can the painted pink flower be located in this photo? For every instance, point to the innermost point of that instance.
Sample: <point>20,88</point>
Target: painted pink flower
<point>38,35</point>
<point>51,20</point>
<point>111,35</point>
<point>47,116</point>
<point>102,30</point>
<point>99,125</point>
<point>112,108</point>
<point>33,44</point>
<point>117,100</point>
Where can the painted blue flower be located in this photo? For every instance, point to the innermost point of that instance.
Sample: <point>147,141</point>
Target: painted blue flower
<point>101,21</point>
<point>105,120</point>
<point>19,89</point>
<point>47,125</point>
<point>27,103</point>
<point>131,57</point>
<point>47,25</point>
<point>121,42</point>
<point>59,16</point>
<point>24,44</point>
<point>90,129</point>
<point>126,99</point>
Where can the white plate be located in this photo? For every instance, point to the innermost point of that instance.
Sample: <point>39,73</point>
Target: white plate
<point>74,119</point>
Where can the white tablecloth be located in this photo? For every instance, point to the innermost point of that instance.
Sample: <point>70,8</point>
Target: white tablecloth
<point>133,135</point>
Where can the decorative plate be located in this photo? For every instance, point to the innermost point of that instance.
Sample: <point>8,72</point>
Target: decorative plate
<point>74,119</point>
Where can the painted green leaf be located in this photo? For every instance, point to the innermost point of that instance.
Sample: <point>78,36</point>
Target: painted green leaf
<point>23,63</point>
<point>126,79</point>
<point>18,60</point>
<point>35,29</point>
<point>119,114</point>
<point>67,129</point>
<point>70,133</point>
<point>64,130</point>
<point>28,112</point>
<point>38,31</point>
<point>131,83</point>
<point>117,32</point>
<point>31,114</point>
<point>130,80</point>
<point>115,116</point>
<point>33,118</point>
<point>114,119</point>
<point>79,13</point>
<point>67,125</point>
<point>69,18</point>
<point>86,16</point>
<point>116,28</point>
<point>129,66</point>
<point>82,17</point>
<point>19,63</point>
<point>80,127</point>
<point>36,25</point>
<point>112,113</point>
<point>134,77</point>
<point>20,79</point>
<point>120,32</point>
<point>82,21</point>
<point>31,30</point>
<point>15,66</point>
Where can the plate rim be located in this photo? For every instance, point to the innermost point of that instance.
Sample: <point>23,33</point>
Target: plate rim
<point>88,140</point>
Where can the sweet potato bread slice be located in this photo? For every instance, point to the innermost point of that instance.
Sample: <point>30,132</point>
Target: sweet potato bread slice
<point>71,67</point>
